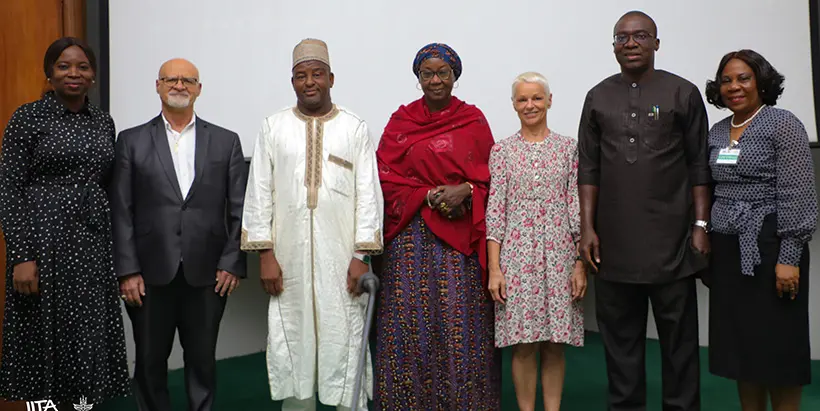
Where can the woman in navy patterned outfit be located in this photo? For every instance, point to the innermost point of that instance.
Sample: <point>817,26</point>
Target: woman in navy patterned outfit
<point>63,334</point>
<point>763,217</point>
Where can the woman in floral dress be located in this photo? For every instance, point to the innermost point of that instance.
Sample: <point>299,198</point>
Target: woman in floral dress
<point>533,225</point>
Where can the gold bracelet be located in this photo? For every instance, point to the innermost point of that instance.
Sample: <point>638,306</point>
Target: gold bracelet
<point>471,187</point>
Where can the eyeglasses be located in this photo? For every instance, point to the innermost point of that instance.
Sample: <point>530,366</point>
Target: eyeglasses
<point>442,74</point>
<point>186,81</point>
<point>640,37</point>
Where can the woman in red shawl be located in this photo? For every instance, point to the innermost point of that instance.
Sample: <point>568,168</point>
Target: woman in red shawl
<point>434,344</point>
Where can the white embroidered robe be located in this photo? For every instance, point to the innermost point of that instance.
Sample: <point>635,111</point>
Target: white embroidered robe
<point>314,197</point>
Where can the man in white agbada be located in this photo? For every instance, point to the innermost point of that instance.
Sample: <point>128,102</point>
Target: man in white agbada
<point>314,211</point>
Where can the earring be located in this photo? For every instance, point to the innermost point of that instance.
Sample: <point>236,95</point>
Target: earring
<point>455,85</point>
<point>418,86</point>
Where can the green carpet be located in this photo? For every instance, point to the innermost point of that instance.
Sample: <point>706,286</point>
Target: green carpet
<point>243,384</point>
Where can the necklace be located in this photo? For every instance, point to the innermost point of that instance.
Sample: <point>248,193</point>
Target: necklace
<point>177,139</point>
<point>747,120</point>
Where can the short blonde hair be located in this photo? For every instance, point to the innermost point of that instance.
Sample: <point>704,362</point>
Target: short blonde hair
<point>531,77</point>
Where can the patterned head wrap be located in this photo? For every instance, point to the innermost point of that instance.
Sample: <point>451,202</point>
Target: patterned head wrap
<point>441,51</point>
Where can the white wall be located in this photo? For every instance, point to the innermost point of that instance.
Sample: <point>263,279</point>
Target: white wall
<point>243,50</point>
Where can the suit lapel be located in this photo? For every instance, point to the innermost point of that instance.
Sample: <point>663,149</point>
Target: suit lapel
<point>160,139</point>
<point>200,154</point>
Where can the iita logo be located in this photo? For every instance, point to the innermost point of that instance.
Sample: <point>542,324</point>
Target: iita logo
<point>46,405</point>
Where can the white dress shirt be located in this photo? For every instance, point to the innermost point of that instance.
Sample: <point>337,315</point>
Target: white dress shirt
<point>182,152</point>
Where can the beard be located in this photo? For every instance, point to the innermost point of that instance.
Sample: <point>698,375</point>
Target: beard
<point>179,100</point>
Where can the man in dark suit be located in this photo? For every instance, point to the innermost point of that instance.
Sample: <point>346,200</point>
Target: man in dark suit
<point>177,195</point>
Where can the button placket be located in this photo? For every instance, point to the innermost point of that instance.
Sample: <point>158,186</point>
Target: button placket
<point>631,149</point>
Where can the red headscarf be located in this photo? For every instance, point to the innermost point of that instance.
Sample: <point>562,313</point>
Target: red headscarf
<point>420,150</point>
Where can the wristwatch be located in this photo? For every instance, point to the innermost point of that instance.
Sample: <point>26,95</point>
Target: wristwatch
<point>705,225</point>
<point>365,258</point>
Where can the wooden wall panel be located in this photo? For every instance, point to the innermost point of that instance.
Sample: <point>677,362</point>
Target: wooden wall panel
<point>27,28</point>
<point>74,18</point>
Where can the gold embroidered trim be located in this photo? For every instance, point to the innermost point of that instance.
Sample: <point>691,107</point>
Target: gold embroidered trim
<point>327,117</point>
<point>313,161</point>
<point>314,136</point>
<point>254,245</point>
<point>372,247</point>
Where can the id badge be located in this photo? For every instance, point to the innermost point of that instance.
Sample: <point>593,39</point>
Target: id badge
<point>728,156</point>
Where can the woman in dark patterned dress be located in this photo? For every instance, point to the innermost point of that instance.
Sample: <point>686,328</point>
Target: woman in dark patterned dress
<point>62,331</point>
<point>764,214</point>
<point>434,341</point>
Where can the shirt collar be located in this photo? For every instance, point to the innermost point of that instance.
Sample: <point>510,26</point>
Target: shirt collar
<point>168,124</point>
<point>59,108</point>
<point>647,78</point>
<point>326,117</point>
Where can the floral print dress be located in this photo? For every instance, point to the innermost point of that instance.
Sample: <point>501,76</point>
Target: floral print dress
<point>533,213</point>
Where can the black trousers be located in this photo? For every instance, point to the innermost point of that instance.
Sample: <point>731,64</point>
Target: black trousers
<point>196,312</point>
<point>622,312</point>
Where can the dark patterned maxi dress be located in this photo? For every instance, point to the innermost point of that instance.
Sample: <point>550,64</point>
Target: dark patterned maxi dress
<point>67,342</point>
<point>435,350</point>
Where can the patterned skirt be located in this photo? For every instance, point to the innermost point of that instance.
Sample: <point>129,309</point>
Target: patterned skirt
<point>434,341</point>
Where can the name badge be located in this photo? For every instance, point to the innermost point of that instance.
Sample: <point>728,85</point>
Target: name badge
<point>728,156</point>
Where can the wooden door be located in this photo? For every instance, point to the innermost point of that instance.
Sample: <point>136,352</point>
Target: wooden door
<point>27,28</point>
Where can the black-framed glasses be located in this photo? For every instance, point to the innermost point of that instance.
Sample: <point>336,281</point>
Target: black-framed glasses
<point>186,81</point>
<point>640,37</point>
<point>443,74</point>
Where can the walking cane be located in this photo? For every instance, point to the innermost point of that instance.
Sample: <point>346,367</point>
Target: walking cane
<point>369,283</point>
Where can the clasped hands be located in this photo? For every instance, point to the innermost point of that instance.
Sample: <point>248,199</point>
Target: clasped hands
<point>449,200</point>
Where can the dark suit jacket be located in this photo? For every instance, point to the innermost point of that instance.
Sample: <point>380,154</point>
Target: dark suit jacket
<point>154,227</point>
